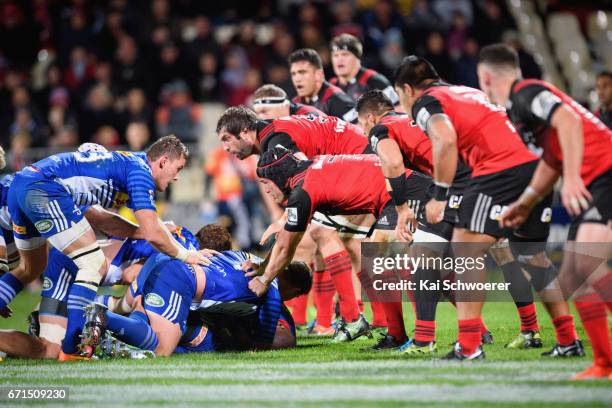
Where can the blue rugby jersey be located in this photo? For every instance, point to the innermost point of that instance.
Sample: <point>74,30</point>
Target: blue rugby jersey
<point>110,179</point>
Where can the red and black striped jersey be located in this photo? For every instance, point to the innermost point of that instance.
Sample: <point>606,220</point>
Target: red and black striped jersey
<point>366,80</point>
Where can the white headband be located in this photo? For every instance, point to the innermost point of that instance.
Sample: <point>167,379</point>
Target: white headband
<point>271,101</point>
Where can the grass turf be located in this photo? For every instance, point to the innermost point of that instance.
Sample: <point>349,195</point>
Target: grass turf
<point>317,373</point>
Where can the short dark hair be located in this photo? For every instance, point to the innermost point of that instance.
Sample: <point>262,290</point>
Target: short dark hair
<point>306,54</point>
<point>297,275</point>
<point>236,119</point>
<point>604,74</point>
<point>373,101</point>
<point>347,42</point>
<point>416,72</point>
<point>170,146</point>
<point>499,55</point>
<point>214,236</point>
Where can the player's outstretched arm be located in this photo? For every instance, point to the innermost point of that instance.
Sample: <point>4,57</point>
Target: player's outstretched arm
<point>542,182</point>
<point>280,256</point>
<point>154,231</point>
<point>444,156</point>
<point>567,123</point>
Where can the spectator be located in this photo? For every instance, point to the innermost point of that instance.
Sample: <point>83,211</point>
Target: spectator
<point>604,93</point>
<point>53,81</point>
<point>236,66</point>
<point>106,136</point>
<point>529,67</point>
<point>421,20</point>
<point>344,14</point>
<point>435,52</point>
<point>137,110</point>
<point>79,71</point>
<point>18,39</point>
<point>128,69</point>
<point>378,21</point>
<point>204,42</point>
<point>18,153</point>
<point>178,115</point>
<point>66,139</point>
<point>245,39</point>
<point>97,112</point>
<point>76,33</point>
<point>207,84</point>
<point>465,65</point>
<point>170,66</point>
<point>446,10</point>
<point>491,21</point>
<point>457,36</point>
<point>137,136</point>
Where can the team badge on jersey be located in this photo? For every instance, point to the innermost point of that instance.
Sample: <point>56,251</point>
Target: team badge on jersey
<point>292,216</point>
<point>153,299</point>
<point>44,226</point>
<point>47,284</point>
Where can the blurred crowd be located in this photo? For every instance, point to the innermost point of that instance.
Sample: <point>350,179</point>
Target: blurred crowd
<point>124,72</point>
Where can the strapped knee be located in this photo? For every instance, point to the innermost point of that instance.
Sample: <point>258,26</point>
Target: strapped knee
<point>91,262</point>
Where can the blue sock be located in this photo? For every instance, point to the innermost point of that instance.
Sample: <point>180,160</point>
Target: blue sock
<point>78,298</point>
<point>10,286</point>
<point>134,329</point>
<point>103,299</point>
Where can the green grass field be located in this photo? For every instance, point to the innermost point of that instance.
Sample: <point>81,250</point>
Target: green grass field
<point>319,374</point>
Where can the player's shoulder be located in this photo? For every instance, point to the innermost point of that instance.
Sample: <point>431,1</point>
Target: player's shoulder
<point>374,79</point>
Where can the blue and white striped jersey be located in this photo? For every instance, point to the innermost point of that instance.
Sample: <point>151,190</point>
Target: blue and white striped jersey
<point>110,179</point>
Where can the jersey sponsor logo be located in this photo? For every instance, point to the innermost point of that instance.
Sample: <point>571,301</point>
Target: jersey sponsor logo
<point>292,215</point>
<point>383,221</point>
<point>543,104</point>
<point>153,299</point>
<point>19,229</point>
<point>47,284</point>
<point>592,214</point>
<point>496,212</point>
<point>44,226</point>
<point>120,200</point>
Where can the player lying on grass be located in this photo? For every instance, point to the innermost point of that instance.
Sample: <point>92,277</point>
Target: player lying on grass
<point>242,134</point>
<point>577,146</point>
<point>166,289</point>
<point>48,326</point>
<point>343,184</point>
<point>44,202</point>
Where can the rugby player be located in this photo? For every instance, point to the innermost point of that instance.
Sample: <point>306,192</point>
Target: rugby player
<point>167,288</point>
<point>351,77</point>
<point>122,256</point>
<point>312,89</point>
<point>271,102</point>
<point>341,184</point>
<point>577,146</point>
<point>242,135</point>
<point>462,122</point>
<point>44,201</point>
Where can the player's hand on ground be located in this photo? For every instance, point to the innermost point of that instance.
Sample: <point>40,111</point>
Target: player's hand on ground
<point>257,286</point>
<point>406,223</point>
<point>514,216</point>
<point>574,195</point>
<point>6,312</point>
<point>434,211</point>
<point>250,268</point>
<point>273,229</point>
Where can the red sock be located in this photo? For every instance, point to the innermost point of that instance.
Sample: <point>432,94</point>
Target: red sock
<point>565,329</point>
<point>483,327</point>
<point>379,319</point>
<point>395,320</point>
<point>604,288</point>
<point>300,307</point>
<point>323,296</point>
<point>340,267</point>
<point>360,305</point>
<point>529,318</point>
<point>424,331</point>
<point>469,335</point>
<point>595,321</point>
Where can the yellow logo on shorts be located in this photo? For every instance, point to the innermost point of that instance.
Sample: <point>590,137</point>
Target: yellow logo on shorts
<point>19,229</point>
<point>120,200</point>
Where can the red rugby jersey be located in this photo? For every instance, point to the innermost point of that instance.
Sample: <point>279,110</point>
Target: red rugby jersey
<point>313,135</point>
<point>532,105</point>
<point>486,139</point>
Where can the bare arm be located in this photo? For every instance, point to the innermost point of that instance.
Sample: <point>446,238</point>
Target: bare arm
<point>444,148</point>
<point>112,224</point>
